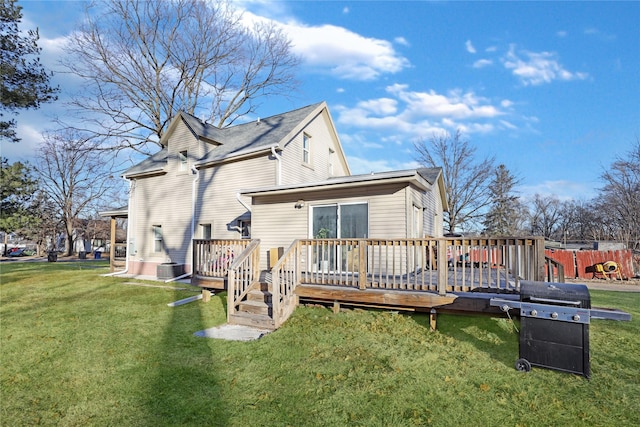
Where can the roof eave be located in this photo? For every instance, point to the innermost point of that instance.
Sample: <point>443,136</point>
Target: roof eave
<point>411,178</point>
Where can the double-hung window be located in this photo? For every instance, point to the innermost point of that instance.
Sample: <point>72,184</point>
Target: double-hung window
<point>184,161</point>
<point>306,149</point>
<point>157,238</point>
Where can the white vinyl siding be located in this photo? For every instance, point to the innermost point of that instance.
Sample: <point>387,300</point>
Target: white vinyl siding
<point>218,193</point>
<point>277,222</point>
<point>323,142</point>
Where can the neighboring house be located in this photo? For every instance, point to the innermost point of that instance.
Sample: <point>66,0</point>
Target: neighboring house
<point>190,189</point>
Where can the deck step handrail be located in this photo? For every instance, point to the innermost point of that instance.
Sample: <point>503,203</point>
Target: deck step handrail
<point>242,273</point>
<point>554,270</point>
<point>285,276</point>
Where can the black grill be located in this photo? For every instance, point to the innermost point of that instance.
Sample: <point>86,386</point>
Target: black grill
<point>554,325</point>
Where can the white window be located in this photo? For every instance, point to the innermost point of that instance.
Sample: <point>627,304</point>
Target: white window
<point>245,228</point>
<point>184,161</point>
<point>306,149</point>
<point>157,238</point>
<point>417,222</point>
<point>205,231</point>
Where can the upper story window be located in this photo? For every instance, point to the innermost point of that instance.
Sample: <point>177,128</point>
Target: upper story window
<point>306,149</point>
<point>184,160</point>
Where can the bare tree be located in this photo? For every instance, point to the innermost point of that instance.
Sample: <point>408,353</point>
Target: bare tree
<point>75,176</point>
<point>545,215</point>
<point>622,194</point>
<point>506,215</point>
<point>466,178</point>
<point>143,61</point>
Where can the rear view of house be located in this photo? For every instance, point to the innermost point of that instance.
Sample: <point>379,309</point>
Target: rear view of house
<point>190,189</point>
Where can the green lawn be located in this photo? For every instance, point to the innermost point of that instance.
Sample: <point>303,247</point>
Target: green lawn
<point>81,349</point>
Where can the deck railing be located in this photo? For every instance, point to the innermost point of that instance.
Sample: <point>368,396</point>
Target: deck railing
<point>242,273</point>
<point>554,270</point>
<point>438,264</point>
<point>285,276</point>
<point>212,258</point>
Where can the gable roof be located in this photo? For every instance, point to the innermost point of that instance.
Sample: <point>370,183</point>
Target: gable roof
<point>233,141</point>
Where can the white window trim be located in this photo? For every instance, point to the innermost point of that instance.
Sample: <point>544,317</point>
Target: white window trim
<point>306,149</point>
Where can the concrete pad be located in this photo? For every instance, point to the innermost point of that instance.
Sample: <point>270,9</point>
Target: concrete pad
<point>233,333</point>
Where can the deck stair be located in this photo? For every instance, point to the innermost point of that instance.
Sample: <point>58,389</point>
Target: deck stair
<point>256,308</point>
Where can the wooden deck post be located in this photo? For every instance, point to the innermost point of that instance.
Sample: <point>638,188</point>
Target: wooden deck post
<point>112,245</point>
<point>362,264</point>
<point>443,266</point>
<point>432,319</point>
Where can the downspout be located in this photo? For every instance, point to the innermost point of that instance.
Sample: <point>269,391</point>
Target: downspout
<point>193,202</point>
<point>278,165</point>
<point>239,197</point>
<point>194,194</point>
<point>129,226</point>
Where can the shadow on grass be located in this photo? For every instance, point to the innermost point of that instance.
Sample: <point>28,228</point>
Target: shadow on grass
<point>493,336</point>
<point>185,386</point>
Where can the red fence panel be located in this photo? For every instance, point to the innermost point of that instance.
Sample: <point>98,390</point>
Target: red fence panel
<point>566,258</point>
<point>587,260</point>
<point>582,264</point>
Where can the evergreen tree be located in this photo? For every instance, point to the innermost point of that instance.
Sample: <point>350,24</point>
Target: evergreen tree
<point>24,82</point>
<point>17,187</point>
<point>505,216</point>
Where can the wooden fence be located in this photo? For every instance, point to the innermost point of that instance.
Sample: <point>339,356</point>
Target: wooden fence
<point>582,264</point>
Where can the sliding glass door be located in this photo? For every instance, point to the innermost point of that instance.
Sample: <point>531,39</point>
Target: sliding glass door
<point>342,221</point>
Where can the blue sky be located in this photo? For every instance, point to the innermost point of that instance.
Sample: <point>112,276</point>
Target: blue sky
<point>551,89</point>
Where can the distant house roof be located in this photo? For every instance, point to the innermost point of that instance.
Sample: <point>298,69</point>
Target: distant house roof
<point>121,212</point>
<point>233,141</point>
<point>418,177</point>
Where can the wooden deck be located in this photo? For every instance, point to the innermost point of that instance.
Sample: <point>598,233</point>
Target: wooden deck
<point>400,274</point>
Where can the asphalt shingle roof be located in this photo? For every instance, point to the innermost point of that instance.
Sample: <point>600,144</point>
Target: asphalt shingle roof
<point>247,137</point>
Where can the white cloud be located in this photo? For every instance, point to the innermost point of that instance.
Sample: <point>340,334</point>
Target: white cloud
<point>455,104</point>
<point>406,115</point>
<point>562,189</point>
<point>506,103</point>
<point>401,41</point>
<point>481,63</point>
<point>341,52</point>
<point>470,47</point>
<point>538,68</point>
<point>561,34</point>
<point>359,165</point>
<point>345,10</point>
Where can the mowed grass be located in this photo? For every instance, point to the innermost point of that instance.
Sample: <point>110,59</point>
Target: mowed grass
<point>81,349</point>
